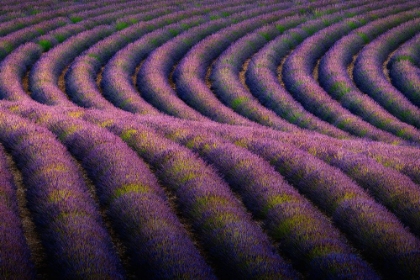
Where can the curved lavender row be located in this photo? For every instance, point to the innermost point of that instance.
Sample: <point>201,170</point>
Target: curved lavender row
<point>68,221</point>
<point>28,7</point>
<point>334,77</point>
<point>14,39</point>
<point>14,67</point>
<point>262,79</point>
<point>297,76</point>
<point>392,189</point>
<point>404,159</point>
<point>186,6</point>
<point>377,233</point>
<point>14,251</point>
<point>146,11</point>
<point>369,76</point>
<point>190,74</point>
<point>110,8</point>
<point>44,74</point>
<point>117,84</point>
<point>404,69</point>
<point>80,79</point>
<point>226,70</point>
<point>152,79</point>
<point>156,241</point>
<point>63,8</point>
<point>302,230</point>
<point>235,244</point>
<point>13,25</point>
<point>57,36</point>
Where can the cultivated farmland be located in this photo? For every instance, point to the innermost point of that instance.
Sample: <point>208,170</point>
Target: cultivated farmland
<point>239,139</point>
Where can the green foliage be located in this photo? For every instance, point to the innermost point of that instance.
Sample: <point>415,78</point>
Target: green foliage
<point>265,35</point>
<point>225,14</point>
<point>185,26</point>
<point>76,19</point>
<point>364,37</point>
<point>60,37</point>
<point>310,29</point>
<point>45,44</point>
<point>95,56</point>
<point>33,11</point>
<point>130,188</point>
<point>173,32</point>
<point>121,25</point>
<point>127,134</point>
<point>280,28</point>
<point>405,57</point>
<point>352,24</point>
<point>340,89</point>
<point>238,101</point>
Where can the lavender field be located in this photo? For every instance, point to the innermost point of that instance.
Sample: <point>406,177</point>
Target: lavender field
<point>239,139</point>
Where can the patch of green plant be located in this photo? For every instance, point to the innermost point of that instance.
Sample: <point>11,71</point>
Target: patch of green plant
<point>7,46</point>
<point>76,19</point>
<point>130,188</point>
<point>238,101</point>
<point>213,17</point>
<point>352,24</point>
<point>127,134</point>
<point>340,88</point>
<point>121,25</point>
<point>34,11</point>
<point>364,37</point>
<point>184,25</point>
<point>405,57</point>
<point>297,37</point>
<point>225,14</point>
<point>310,29</point>
<point>173,32</point>
<point>40,31</point>
<point>280,28</point>
<point>45,44</point>
<point>60,37</point>
<point>95,56</point>
<point>265,35</point>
